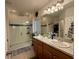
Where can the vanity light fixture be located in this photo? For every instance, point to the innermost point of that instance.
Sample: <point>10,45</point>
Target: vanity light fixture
<point>56,9</point>
<point>53,8</point>
<point>58,6</point>
<point>49,9</point>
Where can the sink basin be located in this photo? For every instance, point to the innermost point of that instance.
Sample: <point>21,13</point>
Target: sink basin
<point>59,43</point>
<point>64,44</point>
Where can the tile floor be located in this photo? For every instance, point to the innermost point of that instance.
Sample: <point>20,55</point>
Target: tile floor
<point>22,55</point>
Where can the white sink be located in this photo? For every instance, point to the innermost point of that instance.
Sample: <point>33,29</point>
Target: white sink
<point>60,44</point>
<point>64,45</point>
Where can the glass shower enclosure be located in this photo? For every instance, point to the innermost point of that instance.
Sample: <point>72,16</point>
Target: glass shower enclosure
<point>20,36</point>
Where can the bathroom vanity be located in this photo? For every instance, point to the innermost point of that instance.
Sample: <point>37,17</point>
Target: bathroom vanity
<point>45,49</point>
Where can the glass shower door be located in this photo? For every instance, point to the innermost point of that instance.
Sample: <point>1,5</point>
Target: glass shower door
<point>20,36</point>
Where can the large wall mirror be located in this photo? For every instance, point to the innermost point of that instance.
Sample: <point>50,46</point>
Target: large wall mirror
<point>61,22</point>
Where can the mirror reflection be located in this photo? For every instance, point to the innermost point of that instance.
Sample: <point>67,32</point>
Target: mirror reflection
<point>59,24</point>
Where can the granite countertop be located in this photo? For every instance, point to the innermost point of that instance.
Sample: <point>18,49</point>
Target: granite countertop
<point>67,50</point>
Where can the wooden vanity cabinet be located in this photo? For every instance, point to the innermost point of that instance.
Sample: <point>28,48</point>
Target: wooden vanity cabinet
<point>38,48</point>
<point>44,51</point>
<point>51,51</point>
<point>46,54</point>
<point>56,54</point>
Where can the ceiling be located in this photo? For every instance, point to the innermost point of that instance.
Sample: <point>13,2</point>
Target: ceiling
<point>22,6</point>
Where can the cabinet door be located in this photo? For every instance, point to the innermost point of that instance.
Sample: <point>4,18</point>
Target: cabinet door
<point>47,54</point>
<point>38,48</point>
<point>40,52</point>
<point>35,49</point>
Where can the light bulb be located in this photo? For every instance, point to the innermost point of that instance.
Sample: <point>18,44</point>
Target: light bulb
<point>58,5</point>
<point>56,9</point>
<point>53,7</point>
<point>48,9</point>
